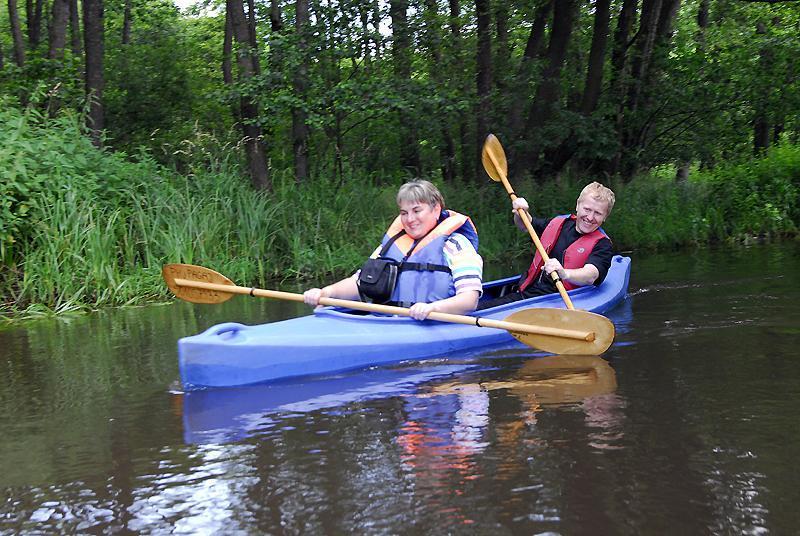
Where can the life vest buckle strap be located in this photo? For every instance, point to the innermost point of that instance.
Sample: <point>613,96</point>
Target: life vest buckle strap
<point>425,267</point>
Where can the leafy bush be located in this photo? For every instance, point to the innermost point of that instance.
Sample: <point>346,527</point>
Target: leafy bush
<point>85,227</point>
<point>756,198</point>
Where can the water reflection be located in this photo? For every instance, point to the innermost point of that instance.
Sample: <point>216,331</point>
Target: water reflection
<point>456,414</point>
<point>513,443</point>
<point>453,431</point>
<point>224,415</point>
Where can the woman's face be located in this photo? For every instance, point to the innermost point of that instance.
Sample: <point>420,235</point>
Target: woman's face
<point>419,218</point>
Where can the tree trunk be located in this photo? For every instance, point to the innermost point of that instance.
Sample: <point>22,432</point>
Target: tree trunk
<point>649,62</point>
<point>74,28</point>
<point>275,58</point>
<point>619,53</point>
<point>227,66</point>
<point>760,132</point>
<point>254,145</point>
<point>483,79</point>
<point>58,29</point>
<point>300,86</point>
<point>377,20</point>
<point>761,126</point>
<point>126,23</point>
<point>559,157</point>
<point>94,44</point>
<point>251,30</point>
<point>520,96</point>
<point>597,55</point>
<point>227,51</point>
<point>275,19</point>
<point>702,14</point>
<point>682,171</point>
<point>34,19</point>
<point>502,56</point>
<point>401,46</point>
<point>648,23</point>
<point>366,37</point>
<point>669,10</point>
<point>620,73</point>
<point>548,93</point>
<point>437,73</point>
<point>456,57</point>
<point>455,13</point>
<point>777,131</point>
<point>631,83</point>
<point>16,33</point>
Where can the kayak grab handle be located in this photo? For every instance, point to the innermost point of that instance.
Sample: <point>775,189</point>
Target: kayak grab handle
<point>226,331</point>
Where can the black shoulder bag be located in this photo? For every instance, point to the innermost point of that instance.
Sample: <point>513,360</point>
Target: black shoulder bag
<point>378,276</point>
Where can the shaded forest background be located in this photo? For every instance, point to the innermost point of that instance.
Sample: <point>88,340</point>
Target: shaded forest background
<point>599,87</point>
<point>130,108</point>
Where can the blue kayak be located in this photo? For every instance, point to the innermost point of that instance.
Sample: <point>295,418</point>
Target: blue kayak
<point>334,339</point>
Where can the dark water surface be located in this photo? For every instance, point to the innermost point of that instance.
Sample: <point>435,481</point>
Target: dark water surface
<point>687,425</point>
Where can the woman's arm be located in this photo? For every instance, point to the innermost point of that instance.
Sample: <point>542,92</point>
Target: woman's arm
<point>346,289</point>
<point>460,304</point>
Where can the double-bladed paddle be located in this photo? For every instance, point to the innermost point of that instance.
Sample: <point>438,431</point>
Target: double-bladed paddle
<point>540,328</point>
<point>496,166</point>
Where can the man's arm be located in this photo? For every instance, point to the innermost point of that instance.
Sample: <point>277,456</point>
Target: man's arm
<point>592,273</point>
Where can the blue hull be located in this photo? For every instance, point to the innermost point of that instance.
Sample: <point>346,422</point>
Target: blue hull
<point>333,340</point>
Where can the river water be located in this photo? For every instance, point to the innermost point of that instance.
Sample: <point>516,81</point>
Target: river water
<point>687,425</point>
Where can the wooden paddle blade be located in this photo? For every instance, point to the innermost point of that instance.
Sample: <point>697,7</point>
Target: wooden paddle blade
<point>492,148</point>
<point>171,272</point>
<point>600,326</point>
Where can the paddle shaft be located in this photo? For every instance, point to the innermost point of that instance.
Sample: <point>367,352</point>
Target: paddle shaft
<point>532,232</point>
<point>392,310</point>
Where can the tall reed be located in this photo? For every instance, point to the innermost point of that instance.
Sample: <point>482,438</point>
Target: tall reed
<point>91,228</point>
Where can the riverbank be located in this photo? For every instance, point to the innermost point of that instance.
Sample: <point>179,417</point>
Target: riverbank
<point>82,229</point>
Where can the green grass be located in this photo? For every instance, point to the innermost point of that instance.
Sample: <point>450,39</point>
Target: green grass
<point>82,228</point>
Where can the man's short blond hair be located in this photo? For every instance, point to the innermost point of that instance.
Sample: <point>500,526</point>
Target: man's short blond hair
<point>599,192</point>
<point>420,191</point>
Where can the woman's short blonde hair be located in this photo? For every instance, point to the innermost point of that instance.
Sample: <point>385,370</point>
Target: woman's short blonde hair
<point>420,191</point>
<point>598,192</point>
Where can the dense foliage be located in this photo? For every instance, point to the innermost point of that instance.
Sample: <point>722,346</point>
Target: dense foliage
<point>86,227</point>
<point>121,153</point>
<point>568,85</point>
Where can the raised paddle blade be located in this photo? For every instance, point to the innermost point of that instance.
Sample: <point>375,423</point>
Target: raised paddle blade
<point>190,272</point>
<point>495,167</point>
<point>599,326</point>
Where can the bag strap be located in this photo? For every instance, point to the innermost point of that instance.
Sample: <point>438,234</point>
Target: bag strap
<point>391,241</point>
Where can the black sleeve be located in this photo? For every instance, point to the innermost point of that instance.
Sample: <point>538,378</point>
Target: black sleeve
<point>601,258</point>
<point>539,225</point>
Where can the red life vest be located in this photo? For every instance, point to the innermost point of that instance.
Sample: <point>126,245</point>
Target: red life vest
<point>575,255</point>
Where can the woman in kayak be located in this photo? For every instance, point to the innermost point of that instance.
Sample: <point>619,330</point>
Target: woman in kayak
<point>427,261</point>
<point>580,252</point>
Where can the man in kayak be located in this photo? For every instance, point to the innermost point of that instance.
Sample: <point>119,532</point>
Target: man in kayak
<point>427,261</point>
<point>580,252</point>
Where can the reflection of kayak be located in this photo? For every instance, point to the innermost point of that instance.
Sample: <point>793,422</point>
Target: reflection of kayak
<point>334,339</point>
<point>224,415</point>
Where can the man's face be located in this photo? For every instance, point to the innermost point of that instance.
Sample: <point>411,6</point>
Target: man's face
<point>590,214</point>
